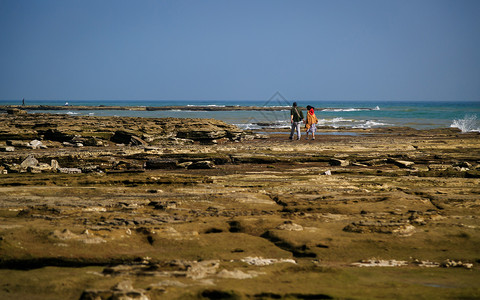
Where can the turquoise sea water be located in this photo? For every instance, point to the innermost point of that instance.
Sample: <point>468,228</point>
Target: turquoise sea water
<point>358,114</point>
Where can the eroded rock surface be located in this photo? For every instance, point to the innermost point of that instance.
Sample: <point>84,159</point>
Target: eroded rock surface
<point>168,211</point>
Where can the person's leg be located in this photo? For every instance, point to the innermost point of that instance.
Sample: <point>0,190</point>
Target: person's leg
<point>292,130</point>
<point>299,133</point>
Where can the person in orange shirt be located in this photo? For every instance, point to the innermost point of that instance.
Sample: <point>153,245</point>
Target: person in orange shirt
<point>311,121</point>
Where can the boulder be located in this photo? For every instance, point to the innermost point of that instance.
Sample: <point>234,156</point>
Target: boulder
<point>56,135</point>
<point>36,144</point>
<point>54,164</point>
<point>7,149</point>
<point>30,161</point>
<point>127,138</point>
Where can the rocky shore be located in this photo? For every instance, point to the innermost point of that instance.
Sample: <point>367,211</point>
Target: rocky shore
<point>145,208</point>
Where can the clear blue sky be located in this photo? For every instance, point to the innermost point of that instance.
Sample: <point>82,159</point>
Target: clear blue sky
<point>322,50</point>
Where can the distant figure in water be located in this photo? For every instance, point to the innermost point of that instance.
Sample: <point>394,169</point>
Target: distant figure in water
<point>296,118</point>
<point>23,102</point>
<point>311,121</point>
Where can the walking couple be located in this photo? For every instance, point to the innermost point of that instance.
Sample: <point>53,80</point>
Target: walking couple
<point>296,118</point>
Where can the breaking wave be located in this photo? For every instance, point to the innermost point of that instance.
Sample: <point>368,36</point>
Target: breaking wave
<point>349,109</point>
<point>370,124</point>
<point>468,124</point>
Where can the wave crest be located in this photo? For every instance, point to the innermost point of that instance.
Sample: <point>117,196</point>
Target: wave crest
<point>468,124</point>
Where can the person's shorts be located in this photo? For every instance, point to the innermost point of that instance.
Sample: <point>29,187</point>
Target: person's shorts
<point>312,129</point>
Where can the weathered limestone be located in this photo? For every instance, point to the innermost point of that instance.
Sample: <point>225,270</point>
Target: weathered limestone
<point>241,218</point>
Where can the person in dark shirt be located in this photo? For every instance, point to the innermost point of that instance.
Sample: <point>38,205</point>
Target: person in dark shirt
<point>296,117</point>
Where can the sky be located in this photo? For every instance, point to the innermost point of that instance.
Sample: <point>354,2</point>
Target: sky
<point>232,50</point>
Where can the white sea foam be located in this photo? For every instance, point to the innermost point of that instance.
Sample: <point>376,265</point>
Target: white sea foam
<point>468,124</point>
<point>350,109</point>
<point>370,124</point>
<point>72,113</point>
<point>267,124</point>
<point>341,109</point>
<point>248,126</point>
<point>335,122</point>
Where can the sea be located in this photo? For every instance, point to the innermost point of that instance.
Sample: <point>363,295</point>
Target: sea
<point>337,114</point>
